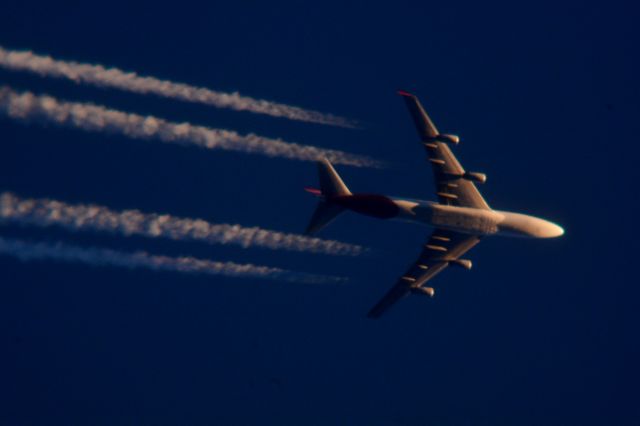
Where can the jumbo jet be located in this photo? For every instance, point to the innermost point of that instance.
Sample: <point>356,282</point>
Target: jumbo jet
<point>460,218</point>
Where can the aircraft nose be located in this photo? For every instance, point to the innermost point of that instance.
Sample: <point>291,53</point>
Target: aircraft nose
<point>520,225</point>
<point>550,230</point>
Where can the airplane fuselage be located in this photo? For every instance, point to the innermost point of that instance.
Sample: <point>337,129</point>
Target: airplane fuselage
<point>466,220</point>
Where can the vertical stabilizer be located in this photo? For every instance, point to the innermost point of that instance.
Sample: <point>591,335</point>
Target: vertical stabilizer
<point>330,186</point>
<point>330,183</point>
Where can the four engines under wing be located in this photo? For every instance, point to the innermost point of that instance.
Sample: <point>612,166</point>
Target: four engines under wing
<point>454,187</point>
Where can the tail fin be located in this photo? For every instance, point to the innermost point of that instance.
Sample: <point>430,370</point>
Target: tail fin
<point>330,186</point>
<point>330,182</point>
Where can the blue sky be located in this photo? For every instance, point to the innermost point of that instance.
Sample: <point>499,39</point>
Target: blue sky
<point>545,98</point>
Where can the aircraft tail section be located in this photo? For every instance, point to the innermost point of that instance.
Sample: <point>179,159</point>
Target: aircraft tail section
<point>331,185</point>
<point>324,214</point>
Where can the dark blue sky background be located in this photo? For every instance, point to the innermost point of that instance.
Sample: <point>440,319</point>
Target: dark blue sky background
<point>546,99</point>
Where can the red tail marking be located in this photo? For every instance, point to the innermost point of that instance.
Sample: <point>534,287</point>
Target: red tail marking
<point>313,191</point>
<point>403,93</point>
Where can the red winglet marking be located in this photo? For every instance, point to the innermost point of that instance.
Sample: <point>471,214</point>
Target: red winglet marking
<point>403,93</point>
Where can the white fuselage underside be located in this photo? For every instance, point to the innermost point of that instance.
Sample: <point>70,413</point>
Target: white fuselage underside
<point>476,221</point>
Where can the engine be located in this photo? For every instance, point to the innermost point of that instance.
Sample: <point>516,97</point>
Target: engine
<point>463,263</point>
<point>426,291</point>
<point>451,139</point>
<point>475,177</point>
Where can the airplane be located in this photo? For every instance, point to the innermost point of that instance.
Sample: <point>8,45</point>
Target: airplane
<point>460,218</point>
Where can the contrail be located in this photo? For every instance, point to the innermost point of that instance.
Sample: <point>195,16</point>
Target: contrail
<point>81,217</point>
<point>27,106</point>
<point>98,75</point>
<point>93,256</point>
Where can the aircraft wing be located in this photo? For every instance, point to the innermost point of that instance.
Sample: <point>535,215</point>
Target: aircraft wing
<point>453,186</point>
<point>442,248</point>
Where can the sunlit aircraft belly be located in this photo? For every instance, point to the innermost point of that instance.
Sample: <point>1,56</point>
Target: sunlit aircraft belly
<point>476,221</point>
<point>459,219</point>
<point>465,220</point>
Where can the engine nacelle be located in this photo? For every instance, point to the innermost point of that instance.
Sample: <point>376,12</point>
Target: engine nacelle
<point>451,139</point>
<point>475,177</point>
<point>463,263</point>
<point>425,291</point>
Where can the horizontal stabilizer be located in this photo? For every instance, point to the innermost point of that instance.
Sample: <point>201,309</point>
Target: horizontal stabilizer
<point>324,214</point>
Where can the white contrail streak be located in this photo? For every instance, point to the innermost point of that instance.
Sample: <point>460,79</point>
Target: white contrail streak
<point>27,251</point>
<point>26,106</point>
<point>98,75</point>
<point>88,217</point>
